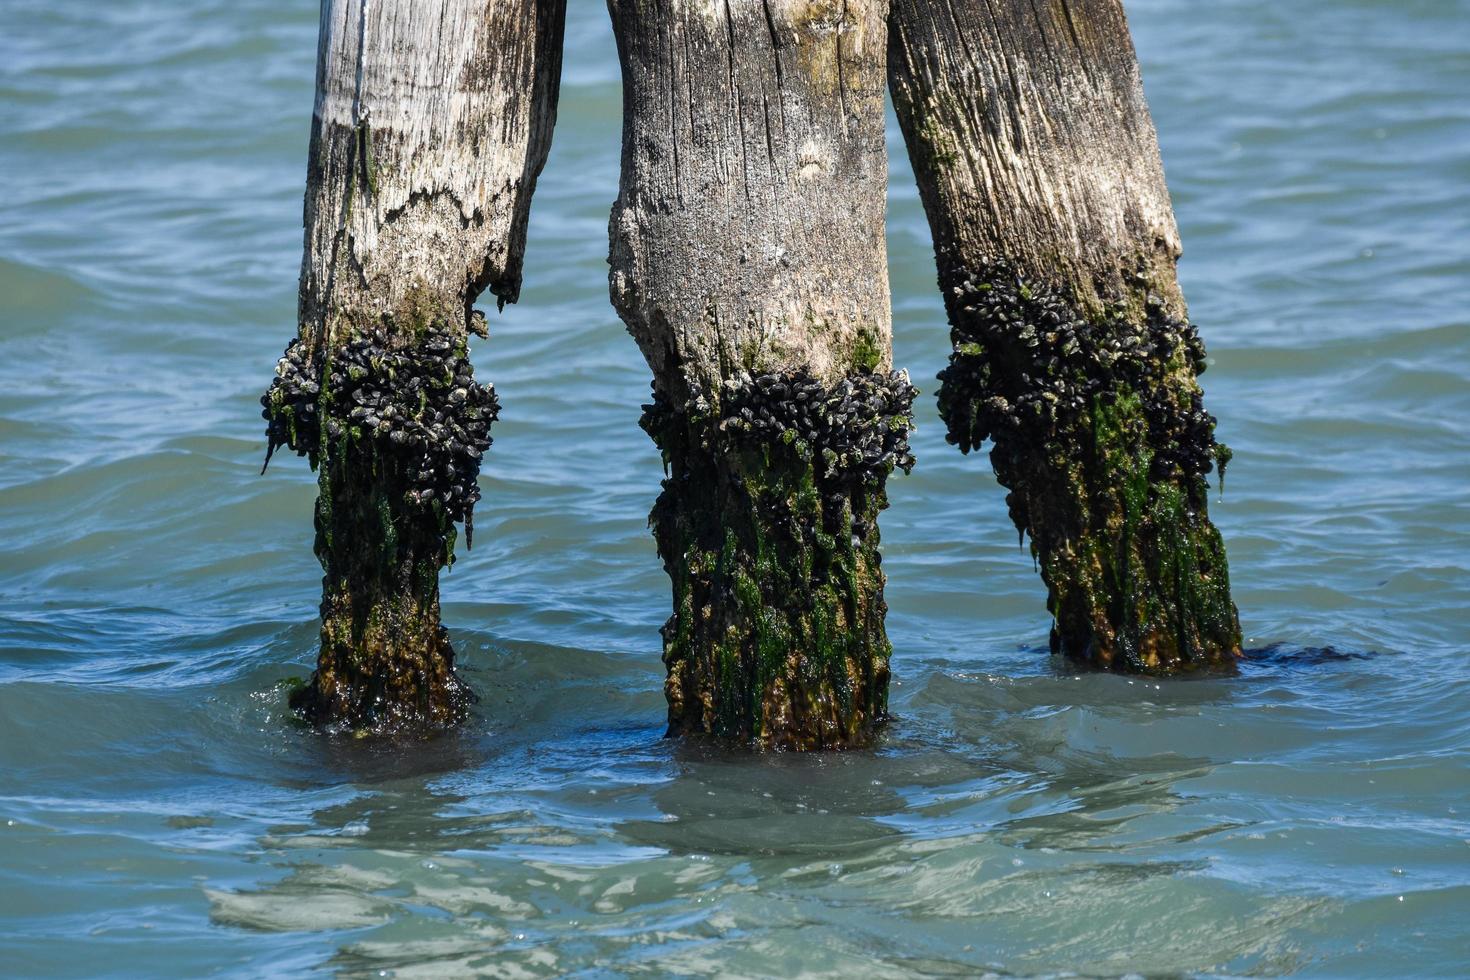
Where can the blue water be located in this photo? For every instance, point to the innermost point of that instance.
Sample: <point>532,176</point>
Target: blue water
<point>161,816</point>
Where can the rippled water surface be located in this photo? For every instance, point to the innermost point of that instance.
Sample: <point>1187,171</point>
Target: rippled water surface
<point>161,816</point>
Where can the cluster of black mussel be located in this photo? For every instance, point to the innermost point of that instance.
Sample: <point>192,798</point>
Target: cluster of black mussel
<point>858,426</point>
<point>420,407</point>
<point>1027,366</point>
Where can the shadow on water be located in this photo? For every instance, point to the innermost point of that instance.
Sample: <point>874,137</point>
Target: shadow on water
<point>550,834</point>
<point>1292,657</point>
<point>1289,655</point>
<point>342,758</point>
<point>735,803</point>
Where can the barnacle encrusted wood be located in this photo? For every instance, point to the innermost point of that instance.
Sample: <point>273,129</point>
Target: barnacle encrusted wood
<point>748,262</point>
<point>768,528</point>
<point>401,433</point>
<point>432,122</point>
<point>1055,239</point>
<point>417,410</point>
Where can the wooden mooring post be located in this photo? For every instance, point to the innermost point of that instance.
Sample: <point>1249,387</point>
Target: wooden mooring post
<point>432,120</point>
<point>749,263</point>
<point>1073,354</point>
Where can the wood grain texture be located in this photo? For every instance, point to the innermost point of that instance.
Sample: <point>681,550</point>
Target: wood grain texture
<point>1031,139</point>
<point>433,119</point>
<point>748,232</point>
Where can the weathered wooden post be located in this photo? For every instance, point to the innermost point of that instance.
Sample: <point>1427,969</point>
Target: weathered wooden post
<point>1039,169</point>
<point>433,119</point>
<point>749,263</point>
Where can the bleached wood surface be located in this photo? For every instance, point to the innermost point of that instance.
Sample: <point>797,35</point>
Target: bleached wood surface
<point>748,231</point>
<point>433,119</point>
<point>1031,139</point>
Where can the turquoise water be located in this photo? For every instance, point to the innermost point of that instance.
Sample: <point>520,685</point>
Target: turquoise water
<point>160,816</point>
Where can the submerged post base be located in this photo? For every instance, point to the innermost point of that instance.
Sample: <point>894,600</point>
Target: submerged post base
<point>389,669</point>
<point>767,526</point>
<point>1101,436</point>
